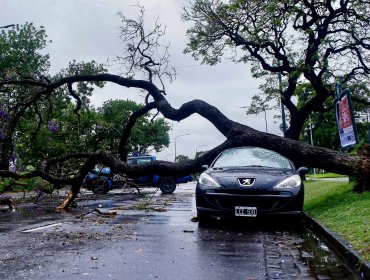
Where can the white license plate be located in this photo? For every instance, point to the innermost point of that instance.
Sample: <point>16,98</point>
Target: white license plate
<point>244,211</point>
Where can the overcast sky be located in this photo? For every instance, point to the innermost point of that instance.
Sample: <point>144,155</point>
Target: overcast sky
<point>87,30</point>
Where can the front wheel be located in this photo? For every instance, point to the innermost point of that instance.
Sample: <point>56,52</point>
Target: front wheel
<point>296,222</point>
<point>205,220</point>
<point>100,186</point>
<point>167,185</point>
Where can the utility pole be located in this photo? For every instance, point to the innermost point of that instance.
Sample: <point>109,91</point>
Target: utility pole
<point>281,101</point>
<point>175,142</point>
<point>311,136</point>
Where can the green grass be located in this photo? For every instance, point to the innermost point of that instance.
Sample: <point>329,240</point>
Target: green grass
<point>334,205</point>
<point>326,175</point>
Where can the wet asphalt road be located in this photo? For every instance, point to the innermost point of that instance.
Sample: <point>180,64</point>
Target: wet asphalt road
<point>160,242</point>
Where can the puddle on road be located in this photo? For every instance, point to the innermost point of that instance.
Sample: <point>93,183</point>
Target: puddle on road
<point>321,259</point>
<point>26,216</point>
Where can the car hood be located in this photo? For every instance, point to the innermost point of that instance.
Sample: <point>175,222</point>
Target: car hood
<point>263,177</point>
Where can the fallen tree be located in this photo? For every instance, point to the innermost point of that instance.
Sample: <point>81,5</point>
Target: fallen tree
<point>144,57</point>
<point>236,134</point>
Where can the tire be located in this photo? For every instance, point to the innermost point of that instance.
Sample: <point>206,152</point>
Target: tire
<point>297,222</point>
<point>167,185</point>
<point>205,220</point>
<point>100,186</point>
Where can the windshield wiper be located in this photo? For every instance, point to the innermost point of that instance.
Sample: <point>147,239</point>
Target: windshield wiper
<point>258,166</point>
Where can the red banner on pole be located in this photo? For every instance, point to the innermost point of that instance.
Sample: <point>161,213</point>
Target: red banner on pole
<point>346,126</point>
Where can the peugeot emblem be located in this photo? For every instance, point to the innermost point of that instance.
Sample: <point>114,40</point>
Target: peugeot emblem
<point>246,181</point>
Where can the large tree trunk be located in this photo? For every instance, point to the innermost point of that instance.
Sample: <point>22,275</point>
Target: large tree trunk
<point>236,134</point>
<point>362,173</point>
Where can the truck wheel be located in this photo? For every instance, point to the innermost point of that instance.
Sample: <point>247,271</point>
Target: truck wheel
<point>167,185</point>
<point>100,186</point>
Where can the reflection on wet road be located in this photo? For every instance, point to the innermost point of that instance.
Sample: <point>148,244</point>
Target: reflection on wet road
<point>162,243</point>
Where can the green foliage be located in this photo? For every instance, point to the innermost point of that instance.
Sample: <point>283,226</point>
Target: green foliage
<point>39,184</point>
<point>335,205</point>
<point>182,158</point>
<point>363,130</point>
<point>62,132</point>
<point>3,183</point>
<point>21,52</point>
<point>324,130</point>
<point>147,134</point>
<point>199,153</point>
<point>21,57</point>
<point>324,124</point>
<point>11,185</point>
<point>57,124</point>
<point>83,89</point>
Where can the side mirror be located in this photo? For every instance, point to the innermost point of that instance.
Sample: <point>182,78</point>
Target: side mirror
<point>302,170</point>
<point>204,167</point>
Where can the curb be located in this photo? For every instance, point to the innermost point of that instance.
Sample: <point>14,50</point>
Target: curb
<point>342,247</point>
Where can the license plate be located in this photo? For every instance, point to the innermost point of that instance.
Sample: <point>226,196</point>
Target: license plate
<point>244,211</point>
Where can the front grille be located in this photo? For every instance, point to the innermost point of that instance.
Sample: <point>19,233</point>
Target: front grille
<point>265,201</point>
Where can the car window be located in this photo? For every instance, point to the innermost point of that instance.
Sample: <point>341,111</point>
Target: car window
<point>139,160</point>
<point>251,157</point>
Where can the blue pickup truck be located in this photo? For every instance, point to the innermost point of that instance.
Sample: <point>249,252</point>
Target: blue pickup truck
<point>165,184</point>
<point>101,180</point>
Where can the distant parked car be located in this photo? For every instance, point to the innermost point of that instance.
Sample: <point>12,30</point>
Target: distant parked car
<point>185,179</point>
<point>166,184</point>
<point>101,180</point>
<point>250,182</point>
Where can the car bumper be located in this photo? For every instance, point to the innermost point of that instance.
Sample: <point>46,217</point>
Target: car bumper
<point>223,213</point>
<point>219,203</point>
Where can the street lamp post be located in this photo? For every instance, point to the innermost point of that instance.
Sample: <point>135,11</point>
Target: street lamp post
<point>175,142</point>
<point>311,138</point>
<point>282,104</point>
<point>264,110</point>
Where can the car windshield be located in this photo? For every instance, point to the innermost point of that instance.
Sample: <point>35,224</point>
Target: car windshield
<point>139,160</point>
<point>251,157</point>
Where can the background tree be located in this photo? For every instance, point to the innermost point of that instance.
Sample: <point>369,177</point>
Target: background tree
<point>199,154</point>
<point>145,56</point>
<point>323,123</point>
<point>33,124</point>
<point>319,41</point>
<point>20,57</point>
<point>148,134</point>
<point>63,123</point>
<point>182,158</point>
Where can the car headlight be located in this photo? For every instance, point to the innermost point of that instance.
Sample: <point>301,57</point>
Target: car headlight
<point>208,181</point>
<point>289,183</point>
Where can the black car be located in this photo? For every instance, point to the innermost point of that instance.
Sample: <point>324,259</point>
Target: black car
<point>250,182</point>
